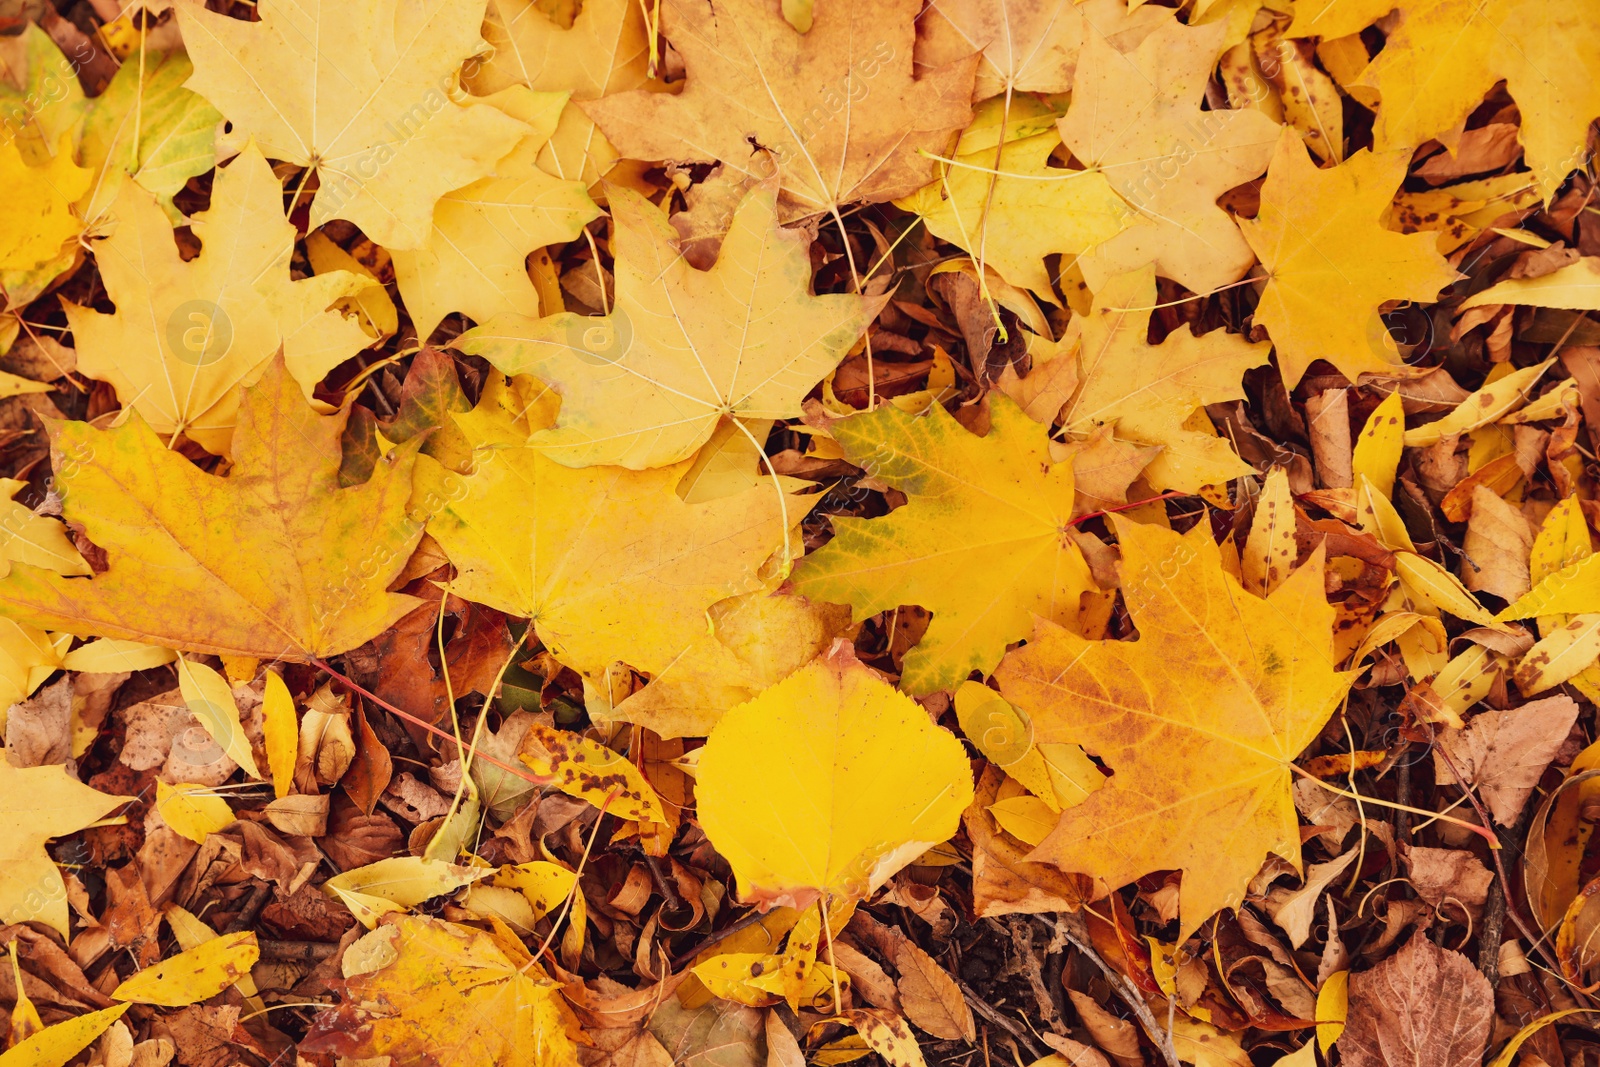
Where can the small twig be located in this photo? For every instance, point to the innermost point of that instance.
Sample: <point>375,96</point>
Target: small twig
<point>252,909</point>
<point>297,951</point>
<point>988,1011</point>
<point>664,885</point>
<point>1079,939</point>
<point>1512,910</point>
<point>744,921</point>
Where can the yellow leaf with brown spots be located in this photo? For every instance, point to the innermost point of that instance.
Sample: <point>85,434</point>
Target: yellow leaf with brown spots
<point>590,771</point>
<point>195,975</point>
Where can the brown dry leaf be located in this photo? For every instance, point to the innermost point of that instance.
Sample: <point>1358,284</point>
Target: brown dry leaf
<point>929,996</point>
<point>1028,46</point>
<point>1118,1037</point>
<point>793,123</point>
<point>1425,1005</point>
<point>1498,541</point>
<point>1453,881</point>
<point>1504,753</point>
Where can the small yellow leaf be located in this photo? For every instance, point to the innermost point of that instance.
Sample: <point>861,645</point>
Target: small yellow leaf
<point>1333,1005</point>
<point>546,885</point>
<point>192,810</point>
<point>1026,818</point>
<point>210,698</point>
<point>1488,404</point>
<point>399,883</point>
<point>590,771</point>
<point>1378,448</point>
<point>1269,553</point>
<point>55,1046</point>
<point>282,730</point>
<point>887,1033</point>
<point>190,977</point>
<point>1565,652</point>
<point>1425,580</point>
<point>108,655</point>
<point>854,781</point>
<point>25,1021</point>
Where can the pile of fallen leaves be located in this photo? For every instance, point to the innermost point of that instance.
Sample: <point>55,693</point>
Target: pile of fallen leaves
<point>738,534</point>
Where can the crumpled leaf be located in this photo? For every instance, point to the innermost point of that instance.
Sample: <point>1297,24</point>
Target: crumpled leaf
<point>757,640</point>
<point>186,336</point>
<point>1238,684</point>
<point>980,541</point>
<point>1329,262</point>
<point>267,562</point>
<point>683,349</point>
<point>855,782</point>
<point>374,118</point>
<point>798,112</point>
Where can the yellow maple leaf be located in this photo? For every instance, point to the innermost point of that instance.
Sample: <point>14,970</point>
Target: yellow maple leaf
<point>360,91</point>
<point>610,564</point>
<point>1009,208</point>
<point>482,234</point>
<point>273,561</point>
<point>981,540</point>
<point>605,50</point>
<point>1198,719</point>
<point>753,80</point>
<point>186,336</point>
<point>36,217</point>
<point>828,783</point>
<point>39,803</point>
<point>1137,117</point>
<point>435,992</point>
<point>1330,264</point>
<point>1150,391</point>
<point>1028,46</point>
<point>648,384</point>
<point>1444,56</point>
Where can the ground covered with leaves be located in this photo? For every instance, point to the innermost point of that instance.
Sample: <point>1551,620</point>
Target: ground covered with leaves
<point>768,532</point>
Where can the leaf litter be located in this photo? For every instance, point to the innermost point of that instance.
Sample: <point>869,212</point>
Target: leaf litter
<point>555,532</point>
